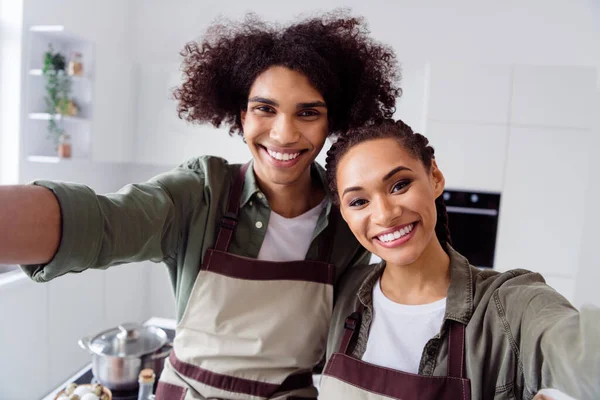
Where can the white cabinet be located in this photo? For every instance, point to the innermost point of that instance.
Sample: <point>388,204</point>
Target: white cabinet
<point>411,107</point>
<point>542,210</point>
<point>553,96</point>
<point>469,93</point>
<point>472,157</point>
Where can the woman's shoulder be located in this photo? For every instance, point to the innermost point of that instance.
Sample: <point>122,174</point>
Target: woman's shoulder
<point>515,286</point>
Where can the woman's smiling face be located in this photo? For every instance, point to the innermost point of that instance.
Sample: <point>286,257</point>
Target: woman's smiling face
<point>387,197</point>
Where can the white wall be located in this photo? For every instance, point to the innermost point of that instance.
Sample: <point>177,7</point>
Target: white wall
<point>11,17</point>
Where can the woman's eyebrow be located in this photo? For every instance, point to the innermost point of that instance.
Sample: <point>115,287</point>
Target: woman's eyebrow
<point>394,171</point>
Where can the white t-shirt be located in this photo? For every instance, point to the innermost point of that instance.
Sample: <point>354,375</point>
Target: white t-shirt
<point>288,239</point>
<point>399,332</point>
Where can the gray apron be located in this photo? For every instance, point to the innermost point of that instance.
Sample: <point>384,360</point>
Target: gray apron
<point>348,378</point>
<point>252,329</point>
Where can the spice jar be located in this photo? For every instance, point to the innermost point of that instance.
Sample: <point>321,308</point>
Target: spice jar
<point>64,146</point>
<point>75,65</point>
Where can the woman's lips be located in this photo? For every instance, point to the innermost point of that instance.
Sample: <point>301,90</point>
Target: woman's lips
<point>396,237</point>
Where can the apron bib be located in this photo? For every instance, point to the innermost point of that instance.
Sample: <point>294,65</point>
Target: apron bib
<point>252,329</point>
<point>348,378</point>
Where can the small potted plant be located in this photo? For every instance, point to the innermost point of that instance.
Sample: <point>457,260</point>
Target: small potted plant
<point>58,90</point>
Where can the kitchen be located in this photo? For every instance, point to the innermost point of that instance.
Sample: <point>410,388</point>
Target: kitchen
<point>489,99</point>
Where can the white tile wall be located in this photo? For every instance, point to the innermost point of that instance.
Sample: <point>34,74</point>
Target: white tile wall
<point>161,298</point>
<point>75,310</point>
<point>469,93</point>
<point>553,96</point>
<point>471,156</point>
<point>24,337</point>
<point>126,294</point>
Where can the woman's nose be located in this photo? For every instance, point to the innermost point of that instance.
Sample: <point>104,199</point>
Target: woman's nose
<point>385,211</point>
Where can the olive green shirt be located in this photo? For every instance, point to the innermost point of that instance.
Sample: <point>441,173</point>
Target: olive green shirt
<point>174,218</point>
<point>521,335</point>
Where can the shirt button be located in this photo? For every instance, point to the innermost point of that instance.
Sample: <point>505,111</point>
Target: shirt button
<point>259,195</point>
<point>250,203</point>
<point>258,224</point>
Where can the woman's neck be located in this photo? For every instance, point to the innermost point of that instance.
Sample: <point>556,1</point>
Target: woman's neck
<point>424,281</point>
<point>294,199</point>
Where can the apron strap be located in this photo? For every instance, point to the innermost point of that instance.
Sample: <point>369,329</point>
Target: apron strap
<point>326,244</point>
<point>456,350</point>
<point>351,329</point>
<point>230,218</point>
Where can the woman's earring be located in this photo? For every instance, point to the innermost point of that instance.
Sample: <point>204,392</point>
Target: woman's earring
<point>244,139</point>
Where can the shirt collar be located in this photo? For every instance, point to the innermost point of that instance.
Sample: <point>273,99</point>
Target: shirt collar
<point>317,173</point>
<point>459,298</point>
<point>250,186</point>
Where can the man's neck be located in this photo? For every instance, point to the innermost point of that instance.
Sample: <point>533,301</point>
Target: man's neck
<point>292,200</point>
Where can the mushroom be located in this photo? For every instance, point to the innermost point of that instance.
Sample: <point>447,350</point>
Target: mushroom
<point>71,388</point>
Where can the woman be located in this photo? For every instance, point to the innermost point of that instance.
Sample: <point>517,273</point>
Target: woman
<point>251,249</point>
<point>424,323</point>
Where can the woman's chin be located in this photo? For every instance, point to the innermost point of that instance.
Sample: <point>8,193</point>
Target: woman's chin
<point>398,258</point>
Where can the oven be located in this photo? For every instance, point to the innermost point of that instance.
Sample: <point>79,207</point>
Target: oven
<point>473,223</point>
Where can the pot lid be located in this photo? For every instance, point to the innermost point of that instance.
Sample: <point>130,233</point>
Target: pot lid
<point>128,340</point>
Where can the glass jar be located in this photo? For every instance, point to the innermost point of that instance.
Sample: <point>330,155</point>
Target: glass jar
<point>64,146</point>
<point>75,65</point>
<point>146,384</point>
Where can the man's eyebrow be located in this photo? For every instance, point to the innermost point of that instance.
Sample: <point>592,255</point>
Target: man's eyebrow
<point>258,99</point>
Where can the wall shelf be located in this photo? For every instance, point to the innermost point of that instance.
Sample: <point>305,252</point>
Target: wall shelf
<point>75,78</point>
<point>57,117</point>
<point>38,145</point>
<point>55,160</point>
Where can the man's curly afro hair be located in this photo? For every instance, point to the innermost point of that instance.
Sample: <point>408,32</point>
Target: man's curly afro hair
<point>356,76</point>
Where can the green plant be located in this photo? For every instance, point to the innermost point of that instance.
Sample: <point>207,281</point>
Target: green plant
<point>58,90</point>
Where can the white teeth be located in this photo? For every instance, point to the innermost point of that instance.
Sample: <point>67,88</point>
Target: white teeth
<point>282,156</point>
<point>388,237</point>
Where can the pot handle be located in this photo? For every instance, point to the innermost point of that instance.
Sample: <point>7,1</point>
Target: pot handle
<point>84,343</point>
<point>163,354</point>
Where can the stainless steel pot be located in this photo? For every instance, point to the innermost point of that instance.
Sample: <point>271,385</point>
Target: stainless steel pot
<point>119,354</point>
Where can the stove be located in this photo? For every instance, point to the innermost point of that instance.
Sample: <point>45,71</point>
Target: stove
<point>132,394</point>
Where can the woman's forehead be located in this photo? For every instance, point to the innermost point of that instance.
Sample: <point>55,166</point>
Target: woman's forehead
<point>373,159</point>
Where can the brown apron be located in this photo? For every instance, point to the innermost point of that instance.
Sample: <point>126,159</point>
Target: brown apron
<point>348,378</point>
<point>251,329</point>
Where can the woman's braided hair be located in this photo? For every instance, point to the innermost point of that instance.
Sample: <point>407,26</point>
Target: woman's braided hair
<point>415,143</point>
